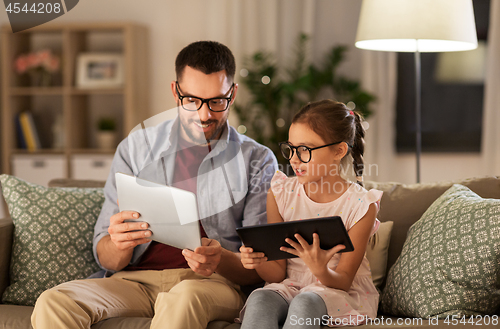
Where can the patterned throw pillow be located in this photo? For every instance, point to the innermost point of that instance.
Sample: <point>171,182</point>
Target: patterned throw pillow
<point>53,230</point>
<point>450,263</point>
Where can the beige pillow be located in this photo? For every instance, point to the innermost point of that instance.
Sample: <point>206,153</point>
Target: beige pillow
<point>377,253</point>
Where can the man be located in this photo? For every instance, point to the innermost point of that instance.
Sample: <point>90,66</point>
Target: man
<point>200,152</point>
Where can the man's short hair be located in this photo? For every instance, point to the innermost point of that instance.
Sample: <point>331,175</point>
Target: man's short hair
<point>206,56</point>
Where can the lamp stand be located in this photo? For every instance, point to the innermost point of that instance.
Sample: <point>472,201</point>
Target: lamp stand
<point>418,109</point>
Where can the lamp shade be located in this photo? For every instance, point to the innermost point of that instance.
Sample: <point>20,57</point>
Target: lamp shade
<point>411,25</point>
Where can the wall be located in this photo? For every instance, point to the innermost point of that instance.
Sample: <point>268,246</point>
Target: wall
<point>174,24</point>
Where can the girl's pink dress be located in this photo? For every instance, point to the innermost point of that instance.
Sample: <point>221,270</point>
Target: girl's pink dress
<point>344,308</point>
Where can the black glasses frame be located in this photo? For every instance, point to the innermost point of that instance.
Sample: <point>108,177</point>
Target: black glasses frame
<point>294,148</point>
<point>204,100</point>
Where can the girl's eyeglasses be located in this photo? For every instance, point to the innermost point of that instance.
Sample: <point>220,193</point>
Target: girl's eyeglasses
<point>303,152</point>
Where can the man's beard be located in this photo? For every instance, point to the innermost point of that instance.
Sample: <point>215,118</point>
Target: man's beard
<point>203,138</point>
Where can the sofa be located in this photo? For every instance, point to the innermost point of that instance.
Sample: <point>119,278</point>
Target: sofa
<point>401,204</point>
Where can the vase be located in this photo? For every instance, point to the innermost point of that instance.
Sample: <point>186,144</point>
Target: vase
<point>40,78</point>
<point>106,139</point>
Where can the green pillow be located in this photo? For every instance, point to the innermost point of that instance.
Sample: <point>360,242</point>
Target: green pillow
<point>53,230</point>
<point>450,263</point>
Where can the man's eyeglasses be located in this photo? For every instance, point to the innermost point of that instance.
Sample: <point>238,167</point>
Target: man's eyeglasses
<point>303,152</point>
<point>193,103</point>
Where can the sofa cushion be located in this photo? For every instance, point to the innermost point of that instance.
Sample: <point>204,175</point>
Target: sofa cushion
<point>450,261</point>
<point>53,230</point>
<point>404,204</point>
<point>15,316</point>
<point>376,252</point>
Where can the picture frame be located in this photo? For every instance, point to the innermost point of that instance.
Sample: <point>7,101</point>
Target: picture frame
<point>100,70</point>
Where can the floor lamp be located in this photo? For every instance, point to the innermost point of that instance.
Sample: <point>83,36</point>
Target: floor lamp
<point>417,26</point>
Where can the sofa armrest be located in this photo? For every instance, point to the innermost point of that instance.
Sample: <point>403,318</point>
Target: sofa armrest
<point>6,229</point>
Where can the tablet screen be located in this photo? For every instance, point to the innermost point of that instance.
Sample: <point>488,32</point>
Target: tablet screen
<point>268,238</point>
<point>172,213</point>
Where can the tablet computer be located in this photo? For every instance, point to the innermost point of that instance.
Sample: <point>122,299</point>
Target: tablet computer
<point>172,213</point>
<point>268,238</point>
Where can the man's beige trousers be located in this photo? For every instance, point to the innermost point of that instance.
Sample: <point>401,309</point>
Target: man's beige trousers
<point>175,299</point>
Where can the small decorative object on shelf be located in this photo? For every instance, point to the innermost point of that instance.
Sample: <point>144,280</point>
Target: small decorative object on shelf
<point>40,65</point>
<point>58,132</point>
<point>96,70</point>
<point>106,134</point>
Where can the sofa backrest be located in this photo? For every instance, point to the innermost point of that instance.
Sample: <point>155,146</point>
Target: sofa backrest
<point>405,204</point>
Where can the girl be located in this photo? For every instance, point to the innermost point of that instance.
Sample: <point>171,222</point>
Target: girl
<point>321,287</point>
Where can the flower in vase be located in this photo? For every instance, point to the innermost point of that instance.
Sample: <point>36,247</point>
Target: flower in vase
<point>42,63</point>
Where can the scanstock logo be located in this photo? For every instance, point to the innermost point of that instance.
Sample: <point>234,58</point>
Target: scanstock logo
<point>25,14</point>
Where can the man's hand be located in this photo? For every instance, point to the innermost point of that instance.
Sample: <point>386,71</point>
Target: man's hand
<point>127,235</point>
<point>205,259</point>
<point>116,249</point>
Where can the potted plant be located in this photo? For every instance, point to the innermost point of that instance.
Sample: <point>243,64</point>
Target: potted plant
<point>106,133</point>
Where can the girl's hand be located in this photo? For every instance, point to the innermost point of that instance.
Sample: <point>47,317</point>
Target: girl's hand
<point>251,260</point>
<point>315,258</point>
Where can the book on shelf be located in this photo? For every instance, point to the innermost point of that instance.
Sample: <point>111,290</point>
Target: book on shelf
<point>29,132</point>
<point>20,134</point>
